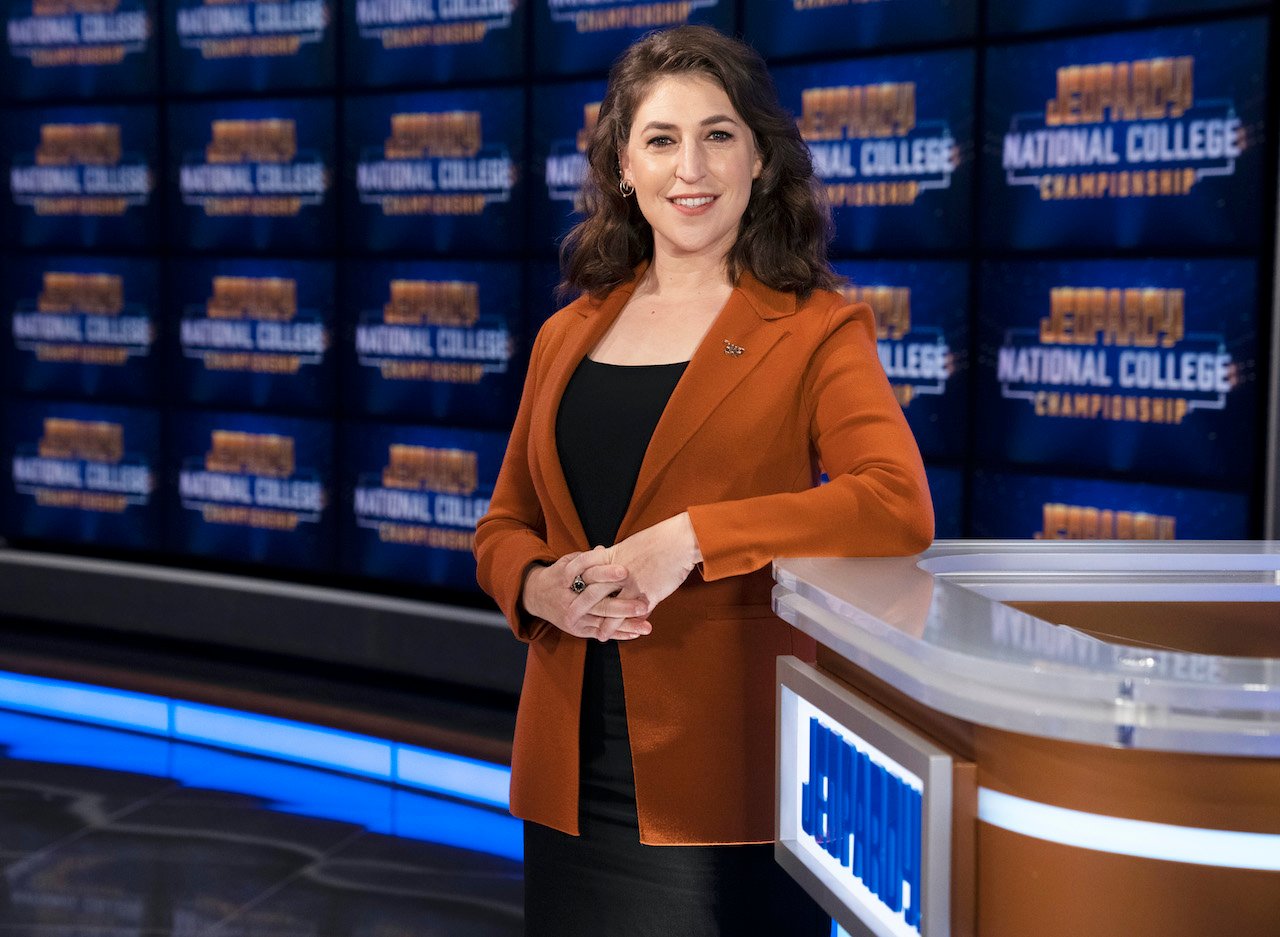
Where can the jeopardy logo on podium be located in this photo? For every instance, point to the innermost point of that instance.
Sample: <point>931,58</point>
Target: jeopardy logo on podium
<point>864,809</point>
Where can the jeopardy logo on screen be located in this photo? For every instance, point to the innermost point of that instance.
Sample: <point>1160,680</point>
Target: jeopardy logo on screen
<point>916,363</point>
<point>1119,130</point>
<point>62,33</point>
<point>869,146</point>
<point>404,24</point>
<point>82,465</point>
<point>1087,522</point>
<point>567,167</point>
<point>219,29</point>
<point>250,480</point>
<point>1120,355</point>
<point>81,170</point>
<point>82,318</point>
<point>435,164</point>
<point>252,325</point>
<point>426,331</point>
<point>864,810</point>
<point>593,16</point>
<point>423,497</point>
<point>253,168</point>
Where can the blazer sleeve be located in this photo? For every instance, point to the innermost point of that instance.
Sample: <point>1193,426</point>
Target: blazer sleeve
<point>511,537</point>
<point>877,500</point>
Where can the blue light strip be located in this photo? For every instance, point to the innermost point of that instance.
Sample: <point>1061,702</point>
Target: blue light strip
<point>283,739</point>
<point>1229,849</point>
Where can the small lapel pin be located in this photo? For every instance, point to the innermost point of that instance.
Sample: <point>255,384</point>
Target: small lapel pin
<point>731,349</point>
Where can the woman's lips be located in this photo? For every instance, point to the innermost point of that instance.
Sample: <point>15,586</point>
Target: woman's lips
<point>693,204</point>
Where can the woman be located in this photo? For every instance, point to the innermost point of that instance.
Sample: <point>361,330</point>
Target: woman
<point>674,416</point>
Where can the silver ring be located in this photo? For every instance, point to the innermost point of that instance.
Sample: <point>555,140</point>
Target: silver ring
<point>578,584</point>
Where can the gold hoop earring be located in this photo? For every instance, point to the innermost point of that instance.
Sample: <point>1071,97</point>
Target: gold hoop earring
<point>626,188</point>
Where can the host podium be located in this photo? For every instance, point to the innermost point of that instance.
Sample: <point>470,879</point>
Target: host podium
<point>1036,739</point>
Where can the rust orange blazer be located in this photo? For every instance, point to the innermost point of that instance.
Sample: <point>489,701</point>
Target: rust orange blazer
<point>738,447</point>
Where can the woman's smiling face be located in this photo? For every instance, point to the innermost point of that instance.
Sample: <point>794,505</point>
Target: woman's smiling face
<point>692,160</point>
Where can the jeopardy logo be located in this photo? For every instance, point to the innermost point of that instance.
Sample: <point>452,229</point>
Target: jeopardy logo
<point>1123,130</point>
<point>1116,354</point>
<point>864,810</point>
<point>424,497</point>
<point>567,163</point>
<point>80,170</point>
<point>593,16</point>
<point>254,28</point>
<point>251,324</point>
<point>915,363</point>
<point>427,331</point>
<point>82,465</point>
<point>403,24</point>
<point>60,33</point>
<point>250,480</point>
<point>252,168</point>
<point>82,318</point>
<point>1081,522</point>
<point>435,164</point>
<point>870,133</point>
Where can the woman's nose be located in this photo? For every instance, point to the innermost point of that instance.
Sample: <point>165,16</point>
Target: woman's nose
<point>692,165</point>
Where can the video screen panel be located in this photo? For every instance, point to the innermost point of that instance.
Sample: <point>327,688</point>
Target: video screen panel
<point>254,174</point>
<point>1126,366</point>
<point>540,299</point>
<point>415,494</point>
<point>434,342</point>
<point>436,172</point>
<point>253,489</point>
<point>571,37</point>
<point>82,327</point>
<point>892,139</point>
<point>1030,15</point>
<point>1127,140</point>
<point>250,45</point>
<point>922,334</point>
<point>83,473</point>
<point>779,28</point>
<point>79,50</point>
<point>564,117</point>
<point>1045,507</point>
<point>946,485</point>
<point>81,177</point>
<point>256,333</point>
<point>390,42</point>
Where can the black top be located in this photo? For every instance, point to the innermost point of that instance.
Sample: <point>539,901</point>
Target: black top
<point>607,417</point>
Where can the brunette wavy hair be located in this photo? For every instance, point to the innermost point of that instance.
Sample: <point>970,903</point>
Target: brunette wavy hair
<point>782,238</point>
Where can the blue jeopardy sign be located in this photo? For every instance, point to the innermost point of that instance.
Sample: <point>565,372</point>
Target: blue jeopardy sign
<point>254,489</point>
<point>253,174</point>
<point>1126,366</point>
<point>433,41</point>
<point>83,473</point>
<point>79,48</point>
<point>1127,140</point>
<point>256,333</point>
<point>890,138</point>
<point>434,342</point>
<point>415,496</point>
<point>564,117</point>
<point>922,333</point>
<point>436,171</point>
<point>83,327</point>
<point>81,177</point>
<point>250,45</point>
<point>803,27</point>
<point>1044,507</point>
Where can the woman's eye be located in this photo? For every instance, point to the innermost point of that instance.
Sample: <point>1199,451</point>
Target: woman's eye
<point>660,141</point>
<point>720,136</point>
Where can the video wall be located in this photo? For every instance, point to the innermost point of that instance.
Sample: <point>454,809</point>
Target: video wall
<point>272,267</point>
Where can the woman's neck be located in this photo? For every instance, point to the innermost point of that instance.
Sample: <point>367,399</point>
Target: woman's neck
<point>684,277</point>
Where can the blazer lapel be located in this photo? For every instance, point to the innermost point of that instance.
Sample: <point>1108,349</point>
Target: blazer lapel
<point>581,336</point>
<point>747,322</point>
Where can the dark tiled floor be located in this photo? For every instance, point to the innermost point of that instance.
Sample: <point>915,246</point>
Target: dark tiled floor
<point>86,852</point>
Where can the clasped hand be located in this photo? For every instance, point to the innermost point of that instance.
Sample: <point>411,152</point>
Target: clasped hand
<point>624,583</point>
